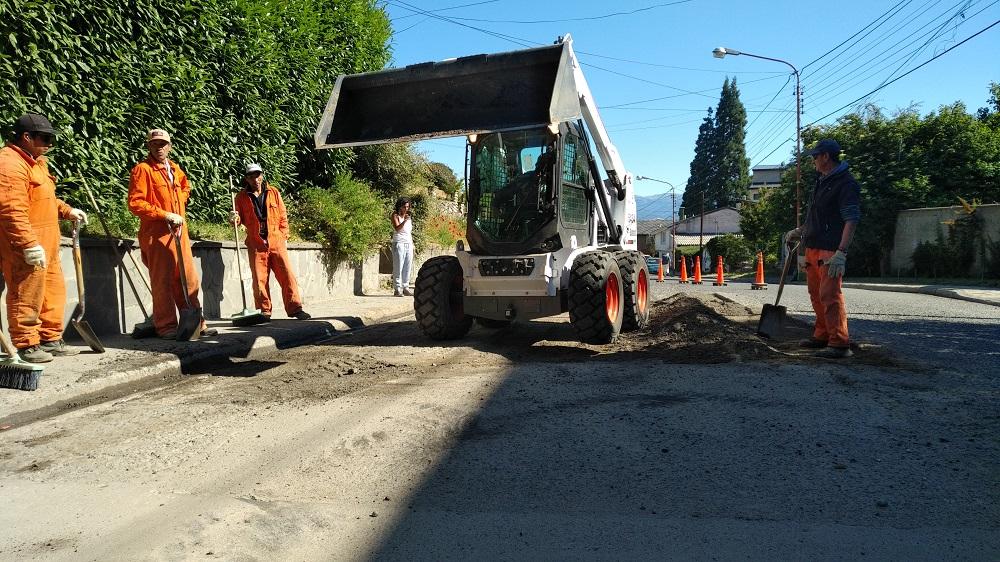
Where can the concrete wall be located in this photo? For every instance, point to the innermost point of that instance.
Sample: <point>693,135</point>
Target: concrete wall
<point>914,226</point>
<point>113,307</point>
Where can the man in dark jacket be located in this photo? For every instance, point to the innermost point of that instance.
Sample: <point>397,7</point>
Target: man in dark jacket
<point>830,224</point>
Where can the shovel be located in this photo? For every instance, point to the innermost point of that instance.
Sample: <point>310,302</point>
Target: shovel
<point>189,324</point>
<point>82,326</point>
<point>772,318</point>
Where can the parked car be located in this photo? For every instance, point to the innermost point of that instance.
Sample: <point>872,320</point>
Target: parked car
<point>653,265</point>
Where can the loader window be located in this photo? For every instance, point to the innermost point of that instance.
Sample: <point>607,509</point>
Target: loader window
<point>573,200</point>
<point>514,172</point>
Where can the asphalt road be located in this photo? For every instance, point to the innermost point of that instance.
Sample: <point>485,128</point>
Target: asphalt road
<point>522,444</point>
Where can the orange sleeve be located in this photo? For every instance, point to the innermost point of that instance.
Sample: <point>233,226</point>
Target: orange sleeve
<point>64,209</point>
<point>138,195</point>
<point>14,184</point>
<point>241,207</point>
<point>282,215</point>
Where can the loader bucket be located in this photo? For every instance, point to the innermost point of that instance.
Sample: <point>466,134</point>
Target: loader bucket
<point>475,94</point>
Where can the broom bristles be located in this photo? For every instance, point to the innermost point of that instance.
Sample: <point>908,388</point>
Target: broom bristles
<point>18,375</point>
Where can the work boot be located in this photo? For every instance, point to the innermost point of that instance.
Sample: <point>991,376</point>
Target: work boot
<point>168,335</point>
<point>812,343</point>
<point>407,292</point>
<point>301,315</point>
<point>834,353</point>
<point>58,348</point>
<point>208,333</point>
<point>34,354</point>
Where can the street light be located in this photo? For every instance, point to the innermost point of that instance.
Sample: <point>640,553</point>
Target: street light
<point>720,52</point>
<point>673,222</point>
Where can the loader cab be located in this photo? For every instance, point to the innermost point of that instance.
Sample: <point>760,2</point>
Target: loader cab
<point>528,191</point>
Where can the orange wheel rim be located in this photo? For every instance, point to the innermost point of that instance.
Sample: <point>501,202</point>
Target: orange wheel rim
<point>641,289</point>
<point>612,303</point>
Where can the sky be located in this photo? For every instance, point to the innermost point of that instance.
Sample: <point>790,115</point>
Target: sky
<point>651,70</point>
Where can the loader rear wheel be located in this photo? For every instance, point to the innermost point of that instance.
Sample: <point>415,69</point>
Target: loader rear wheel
<point>635,288</point>
<point>437,299</point>
<point>595,297</point>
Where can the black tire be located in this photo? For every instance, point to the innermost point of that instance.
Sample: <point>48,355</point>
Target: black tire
<point>635,288</point>
<point>492,324</point>
<point>595,297</point>
<point>437,299</point>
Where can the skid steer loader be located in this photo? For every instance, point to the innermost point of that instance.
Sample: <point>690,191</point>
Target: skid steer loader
<point>547,234</point>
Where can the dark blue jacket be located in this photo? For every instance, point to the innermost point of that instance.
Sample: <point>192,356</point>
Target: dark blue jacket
<point>836,200</point>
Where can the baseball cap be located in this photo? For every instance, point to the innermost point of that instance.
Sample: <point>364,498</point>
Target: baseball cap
<point>253,169</point>
<point>157,134</point>
<point>825,145</point>
<point>33,123</point>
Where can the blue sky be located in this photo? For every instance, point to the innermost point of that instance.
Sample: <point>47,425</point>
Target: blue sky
<point>653,75</point>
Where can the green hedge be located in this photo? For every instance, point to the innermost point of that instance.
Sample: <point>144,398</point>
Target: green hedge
<point>231,80</point>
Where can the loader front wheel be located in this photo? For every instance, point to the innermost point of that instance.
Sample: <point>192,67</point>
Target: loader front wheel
<point>595,297</point>
<point>437,299</point>
<point>635,288</point>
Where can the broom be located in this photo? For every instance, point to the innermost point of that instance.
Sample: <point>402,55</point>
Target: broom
<point>247,316</point>
<point>15,373</point>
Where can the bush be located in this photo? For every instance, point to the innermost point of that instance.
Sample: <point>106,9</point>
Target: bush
<point>735,251</point>
<point>348,218</point>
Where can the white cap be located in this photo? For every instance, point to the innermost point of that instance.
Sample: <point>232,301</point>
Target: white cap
<point>157,134</point>
<point>253,169</point>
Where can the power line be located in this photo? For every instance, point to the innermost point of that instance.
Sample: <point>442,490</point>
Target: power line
<point>590,18</point>
<point>448,8</point>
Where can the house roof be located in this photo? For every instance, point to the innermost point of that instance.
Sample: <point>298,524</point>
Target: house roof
<point>652,226</point>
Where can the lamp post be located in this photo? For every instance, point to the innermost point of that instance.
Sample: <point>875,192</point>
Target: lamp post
<point>673,222</point>
<point>721,52</point>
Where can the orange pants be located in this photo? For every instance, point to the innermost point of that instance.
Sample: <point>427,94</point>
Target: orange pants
<point>262,263</point>
<point>36,298</point>
<point>827,300</point>
<point>159,253</point>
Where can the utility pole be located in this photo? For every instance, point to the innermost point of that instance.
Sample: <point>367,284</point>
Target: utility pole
<point>701,233</point>
<point>673,220</point>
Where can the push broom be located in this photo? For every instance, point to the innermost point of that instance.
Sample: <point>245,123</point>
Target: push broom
<point>247,316</point>
<point>15,373</point>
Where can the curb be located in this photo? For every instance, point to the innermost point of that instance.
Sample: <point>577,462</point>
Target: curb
<point>934,290</point>
<point>161,367</point>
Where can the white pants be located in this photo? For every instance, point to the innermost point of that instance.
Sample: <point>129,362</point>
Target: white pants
<point>402,263</point>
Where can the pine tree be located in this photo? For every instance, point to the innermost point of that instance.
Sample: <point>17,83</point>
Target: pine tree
<point>702,166</point>
<point>729,184</point>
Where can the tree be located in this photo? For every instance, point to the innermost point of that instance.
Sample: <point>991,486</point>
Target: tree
<point>442,177</point>
<point>732,172</point>
<point>702,166</point>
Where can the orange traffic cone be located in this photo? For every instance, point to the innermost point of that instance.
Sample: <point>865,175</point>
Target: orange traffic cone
<point>697,271</point>
<point>758,282</point>
<point>684,270</point>
<point>659,271</point>
<point>720,279</point>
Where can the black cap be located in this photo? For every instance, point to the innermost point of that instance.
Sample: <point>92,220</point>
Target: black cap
<point>33,123</point>
<point>825,145</point>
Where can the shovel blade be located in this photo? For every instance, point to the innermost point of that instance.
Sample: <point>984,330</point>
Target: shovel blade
<point>772,321</point>
<point>144,330</point>
<point>189,325</point>
<point>87,333</point>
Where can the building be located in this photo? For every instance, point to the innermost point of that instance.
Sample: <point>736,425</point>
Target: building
<point>763,176</point>
<point>725,220</point>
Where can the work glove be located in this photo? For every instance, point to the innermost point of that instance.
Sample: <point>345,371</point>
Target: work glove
<point>173,219</point>
<point>35,256</point>
<point>78,215</point>
<point>234,218</point>
<point>837,264</point>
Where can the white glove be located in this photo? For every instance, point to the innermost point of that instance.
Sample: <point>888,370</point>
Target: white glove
<point>837,264</point>
<point>793,236</point>
<point>234,218</point>
<point>78,215</point>
<point>801,259</point>
<point>35,255</point>
<point>173,219</point>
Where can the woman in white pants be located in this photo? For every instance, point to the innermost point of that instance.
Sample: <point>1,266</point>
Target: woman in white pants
<point>402,247</point>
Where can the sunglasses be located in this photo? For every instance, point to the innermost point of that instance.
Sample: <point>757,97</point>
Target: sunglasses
<point>47,138</point>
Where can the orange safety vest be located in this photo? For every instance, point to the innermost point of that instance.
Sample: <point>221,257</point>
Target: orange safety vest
<point>277,219</point>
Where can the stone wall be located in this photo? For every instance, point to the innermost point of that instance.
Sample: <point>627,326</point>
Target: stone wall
<point>112,306</point>
<point>914,226</point>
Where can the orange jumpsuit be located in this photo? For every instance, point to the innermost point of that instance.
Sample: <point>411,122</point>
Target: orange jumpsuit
<point>151,195</point>
<point>29,215</point>
<point>271,255</point>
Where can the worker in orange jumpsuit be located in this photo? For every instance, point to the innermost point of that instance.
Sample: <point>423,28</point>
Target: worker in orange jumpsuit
<point>260,209</point>
<point>158,194</point>
<point>29,242</point>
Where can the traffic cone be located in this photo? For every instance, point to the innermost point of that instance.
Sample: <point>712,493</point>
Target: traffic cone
<point>719,274</point>
<point>758,282</point>
<point>684,270</point>
<point>697,271</point>
<point>659,271</point>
